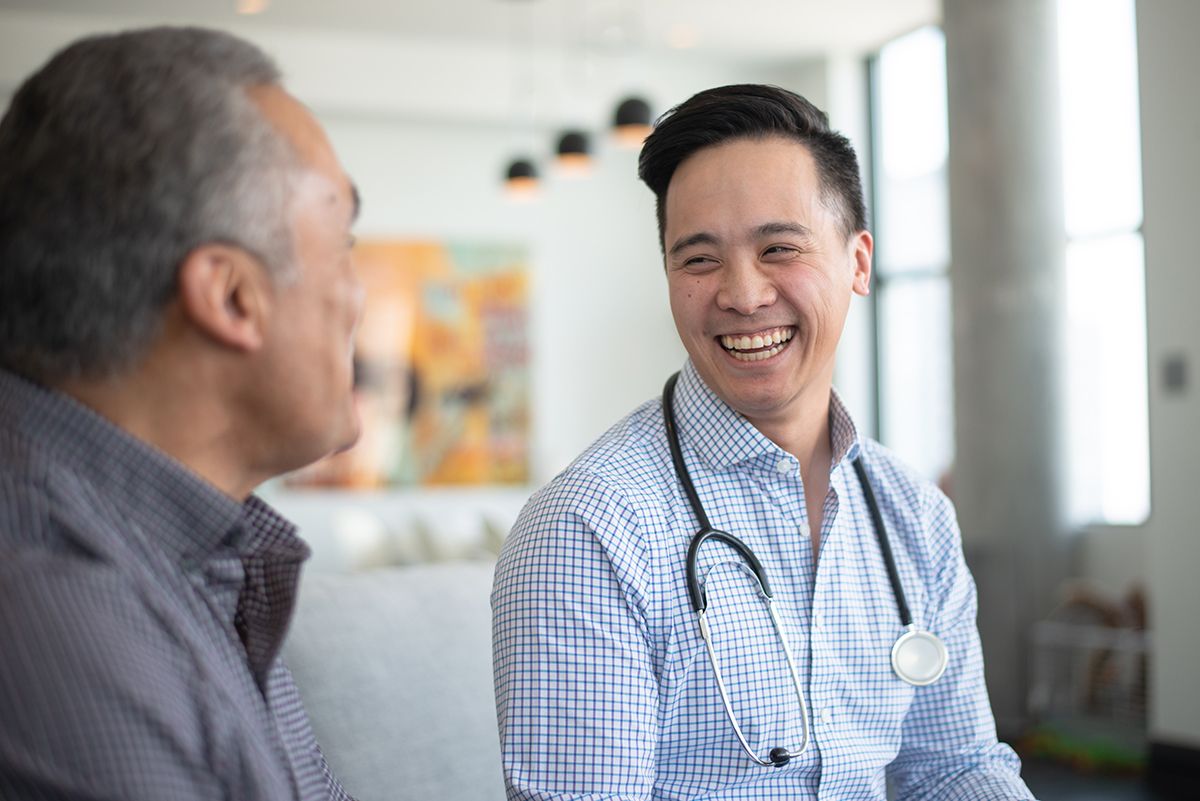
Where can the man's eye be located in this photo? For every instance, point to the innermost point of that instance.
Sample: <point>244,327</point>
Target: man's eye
<point>779,250</point>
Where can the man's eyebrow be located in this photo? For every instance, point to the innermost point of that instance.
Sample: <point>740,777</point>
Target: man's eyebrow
<point>702,238</point>
<point>776,228</point>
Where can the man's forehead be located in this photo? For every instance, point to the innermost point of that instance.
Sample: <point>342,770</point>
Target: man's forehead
<point>297,125</point>
<point>747,153</point>
<point>754,171</point>
<point>308,140</point>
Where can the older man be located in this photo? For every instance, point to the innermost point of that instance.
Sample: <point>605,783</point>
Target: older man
<point>177,307</point>
<point>732,594</point>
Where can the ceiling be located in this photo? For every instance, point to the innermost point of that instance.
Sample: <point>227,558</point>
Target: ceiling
<point>760,29</point>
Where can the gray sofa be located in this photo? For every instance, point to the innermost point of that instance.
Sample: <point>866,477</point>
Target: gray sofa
<point>395,669</point>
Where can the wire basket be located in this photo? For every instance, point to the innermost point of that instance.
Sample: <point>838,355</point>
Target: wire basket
<point>1087,695</point>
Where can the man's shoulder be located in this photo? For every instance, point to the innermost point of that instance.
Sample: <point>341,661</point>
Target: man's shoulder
<point>630,459</point>
<point>893,476</point>
<point>55,556</point>
<point>47,507</point>
<point>70,623</point>
<point>918,512</point>
<point>61,561</point>
<point>86,656</point>
<point>616,487</point>
<point>75,618</point>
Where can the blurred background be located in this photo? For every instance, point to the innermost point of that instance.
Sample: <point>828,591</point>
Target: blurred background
<point>1031,168</point>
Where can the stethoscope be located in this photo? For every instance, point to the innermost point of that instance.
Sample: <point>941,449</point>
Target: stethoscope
<point>918,656</point>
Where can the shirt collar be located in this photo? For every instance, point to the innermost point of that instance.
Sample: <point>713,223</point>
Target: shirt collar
<point>844,441</point>
<point>188,518</point>
<point>724,438</point>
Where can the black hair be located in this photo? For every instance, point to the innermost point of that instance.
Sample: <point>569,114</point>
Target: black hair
<point>753,111</point>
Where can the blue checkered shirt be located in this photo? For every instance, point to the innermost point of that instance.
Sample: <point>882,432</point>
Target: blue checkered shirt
<point>603,685</point>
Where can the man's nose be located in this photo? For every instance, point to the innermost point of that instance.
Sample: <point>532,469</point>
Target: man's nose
<point>746,286</point>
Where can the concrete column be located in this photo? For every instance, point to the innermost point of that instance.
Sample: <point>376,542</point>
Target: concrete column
<point>1007,244</point>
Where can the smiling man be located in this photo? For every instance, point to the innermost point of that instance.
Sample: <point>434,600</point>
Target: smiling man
<point>178,305</point>
<point>732,594</point>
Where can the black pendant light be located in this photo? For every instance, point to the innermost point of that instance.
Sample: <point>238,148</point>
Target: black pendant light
<point>631,124</point>
<point>574,153</point>
<point>521,180</point>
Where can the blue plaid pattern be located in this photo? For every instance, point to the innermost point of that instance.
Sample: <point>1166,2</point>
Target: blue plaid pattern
<point>603,685</point>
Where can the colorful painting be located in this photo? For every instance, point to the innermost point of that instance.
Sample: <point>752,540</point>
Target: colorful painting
<point>441,369</point>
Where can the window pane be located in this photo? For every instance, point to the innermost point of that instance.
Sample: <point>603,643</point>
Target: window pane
<point>911,218</point>
<point>1100,140</point>
<point>1108,449</point>
<point>913,224</point>
<point>912,104</point>
<point>915,381</point>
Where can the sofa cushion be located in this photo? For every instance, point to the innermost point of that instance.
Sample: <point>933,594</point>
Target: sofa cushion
<point>395,669</point>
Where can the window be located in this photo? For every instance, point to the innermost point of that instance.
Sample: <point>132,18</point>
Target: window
<point>1106,383</point>
<point>912,258</point>
<point>1106,421</point>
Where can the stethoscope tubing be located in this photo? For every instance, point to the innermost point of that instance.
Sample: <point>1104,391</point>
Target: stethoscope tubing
<point>923,641</point>
<point>707,531</point>
<point>885,545</point>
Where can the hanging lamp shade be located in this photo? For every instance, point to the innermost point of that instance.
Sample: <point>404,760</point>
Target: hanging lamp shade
<point>631,124</point>
<point>521,179</point>
<point>574,153</point>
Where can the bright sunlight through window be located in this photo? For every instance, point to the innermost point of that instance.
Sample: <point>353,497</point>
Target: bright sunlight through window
<point>1107,425</point>
<point>1106,419</point>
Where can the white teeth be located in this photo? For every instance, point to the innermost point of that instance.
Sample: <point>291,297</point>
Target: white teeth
<point>772,340</point>
<point>758,355</point>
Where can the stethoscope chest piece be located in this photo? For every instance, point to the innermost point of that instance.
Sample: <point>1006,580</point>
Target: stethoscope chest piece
<point>919,657</point>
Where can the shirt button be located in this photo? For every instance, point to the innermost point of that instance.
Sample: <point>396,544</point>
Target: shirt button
<point>827,716</point>
<point>783,466</point>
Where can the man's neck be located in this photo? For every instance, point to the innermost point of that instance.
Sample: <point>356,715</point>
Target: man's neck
<point>181,420</point>
<point>806,435</point>
<point>803,431</point>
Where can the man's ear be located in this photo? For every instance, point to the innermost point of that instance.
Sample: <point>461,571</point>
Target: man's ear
<point>226,294</point>
<point>864,247</point>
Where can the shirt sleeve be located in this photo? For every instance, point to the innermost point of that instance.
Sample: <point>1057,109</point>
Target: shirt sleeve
<point>576,691</point>
<point>94,701</point>
<point>949,750</point>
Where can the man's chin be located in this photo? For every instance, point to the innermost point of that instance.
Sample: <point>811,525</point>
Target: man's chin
<point>353,432</point>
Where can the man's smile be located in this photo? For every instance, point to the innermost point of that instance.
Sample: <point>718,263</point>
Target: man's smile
<point>757,346</point>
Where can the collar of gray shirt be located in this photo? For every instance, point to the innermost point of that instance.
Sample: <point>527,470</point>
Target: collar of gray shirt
<point>246,554</point>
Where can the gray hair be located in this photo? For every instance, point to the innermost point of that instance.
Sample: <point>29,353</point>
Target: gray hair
<point>119,157</point>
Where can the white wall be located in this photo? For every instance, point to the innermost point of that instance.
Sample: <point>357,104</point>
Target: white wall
<point>426,130</point>
<point>1171,179</point>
